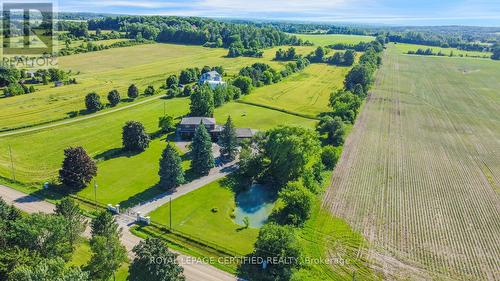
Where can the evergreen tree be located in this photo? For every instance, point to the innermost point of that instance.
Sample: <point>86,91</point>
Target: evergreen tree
<point>201,151</point>
<point>76,221</point>
<point>228,141</point>
<point>171,173</point>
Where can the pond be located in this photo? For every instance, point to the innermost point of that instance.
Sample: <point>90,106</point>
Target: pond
<point>256,203</point>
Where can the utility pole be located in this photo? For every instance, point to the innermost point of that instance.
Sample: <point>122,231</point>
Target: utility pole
<point>170,213</point>
<point>164,108</point>
<point>12,163</point>
<point>95,193</point>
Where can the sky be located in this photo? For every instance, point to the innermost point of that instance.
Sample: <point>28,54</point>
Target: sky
<point>392,12</point>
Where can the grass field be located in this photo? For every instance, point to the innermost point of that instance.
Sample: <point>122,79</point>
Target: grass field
<point>37,156</point>
<point>192,214</point>
<point>306,92</point>
<point>116,69</point>
<point>420,172</point>
<point>329,39</point>
<point>404,48</point>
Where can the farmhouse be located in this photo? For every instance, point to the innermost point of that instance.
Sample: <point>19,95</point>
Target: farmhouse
<point>212,78</point>
<point>188,126</point>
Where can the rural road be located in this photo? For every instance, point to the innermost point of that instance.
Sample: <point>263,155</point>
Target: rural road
<point>192,270</point>
<point>76,119</point>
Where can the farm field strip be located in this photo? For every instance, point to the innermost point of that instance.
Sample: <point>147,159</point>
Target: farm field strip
<point>419,173</point>
<point>404,48</point>
<point>329,39</point>
<point>306,92</point>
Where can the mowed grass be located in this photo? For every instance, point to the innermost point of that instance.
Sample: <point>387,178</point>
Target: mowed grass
<point>329,39</point>
<point>306,92</point>
<point>259,118</point>
<point>116,68</point>
<point>420,172</point>
<point>37,156</point>
<point>404,48</point>
<point>192,214</point>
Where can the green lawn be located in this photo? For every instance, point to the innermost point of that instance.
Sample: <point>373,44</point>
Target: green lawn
<point>38,155</point>
<point>306,92</point>
<point>329,39</point>
<point>116,68</point>
<point>129,179</point>
<point>404,48</point>
<point>191,214</point>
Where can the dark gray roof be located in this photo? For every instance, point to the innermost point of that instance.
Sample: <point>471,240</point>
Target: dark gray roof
<point>244,133</point>
<point>197,121</point>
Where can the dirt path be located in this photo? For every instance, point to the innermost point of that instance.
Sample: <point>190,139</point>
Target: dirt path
<point>192,271</point>
<point>79,119</point>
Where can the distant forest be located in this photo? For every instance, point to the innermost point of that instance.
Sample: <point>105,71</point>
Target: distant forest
<point>247,38</point>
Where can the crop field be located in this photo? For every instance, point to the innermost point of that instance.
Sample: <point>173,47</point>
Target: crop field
<point>306,92</point>
<point>404,48</point>
<point>420,172</point>
<point>329,39</point>
<point>116,69</point>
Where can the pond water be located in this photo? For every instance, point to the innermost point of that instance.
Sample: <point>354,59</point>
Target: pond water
<point>256,203</point>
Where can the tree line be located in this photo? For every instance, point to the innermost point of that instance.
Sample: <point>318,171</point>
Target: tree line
<point>240,39</point>
<point>37,247</point>
<point>291,160</point>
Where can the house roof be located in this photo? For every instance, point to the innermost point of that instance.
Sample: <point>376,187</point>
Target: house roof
<point>210,75</point>
<point>244,133</point>
<point>197,121</point>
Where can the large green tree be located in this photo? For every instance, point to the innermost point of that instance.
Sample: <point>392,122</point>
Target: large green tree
<point>202,102</point>
<point>290,152</point>
<point>171,172</point>
<point>228,141</point>
<point>107,256</point>
<point>201,151</point>
<point>134,136</point>
<point>297,201</point>
<point>107,252</point>
<point>46,234</point>
<point>78,168</point>
<point>48,269</point>
<point>276,243</point>
<point>154,262</point>
<point>75,220</point>
<point>333,127</point>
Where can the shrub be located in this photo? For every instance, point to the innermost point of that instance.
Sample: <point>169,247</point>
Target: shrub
<point>330,156</point>
<point>150,90</point>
